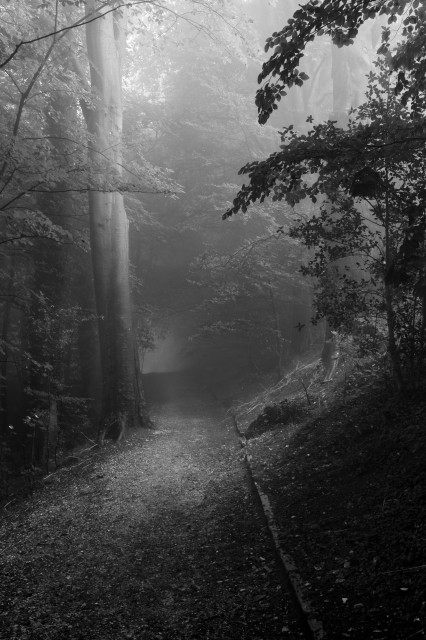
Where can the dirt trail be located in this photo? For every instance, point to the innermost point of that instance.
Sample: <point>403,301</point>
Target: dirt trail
<point>159,538</point>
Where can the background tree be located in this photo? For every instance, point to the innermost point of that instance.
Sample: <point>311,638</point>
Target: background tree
<point>36,163</point>
<point>377,160</point>
<point>211,135</point>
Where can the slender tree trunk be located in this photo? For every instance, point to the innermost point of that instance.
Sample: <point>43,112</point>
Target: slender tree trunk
<point>393,350</point>
<point>90,367</point>
<point>277,334</point>
<point>339,76</point>
<point>392,346</point>
<point>6,312</point>
<point>109,225</point>
<point>52,278</point>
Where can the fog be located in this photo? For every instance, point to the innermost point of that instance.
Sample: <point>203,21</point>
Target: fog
<point>239,283</point>
<point>165,356</point>
<point>189,292</point>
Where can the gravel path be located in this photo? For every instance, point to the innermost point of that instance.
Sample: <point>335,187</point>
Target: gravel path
<point>157,538</point>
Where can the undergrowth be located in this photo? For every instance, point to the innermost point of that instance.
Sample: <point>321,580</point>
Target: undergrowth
<point>343,464</point>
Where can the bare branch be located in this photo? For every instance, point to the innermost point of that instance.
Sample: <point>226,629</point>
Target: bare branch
<point>86,19</point>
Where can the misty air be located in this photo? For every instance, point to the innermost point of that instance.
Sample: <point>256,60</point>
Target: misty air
<point>212,320</point>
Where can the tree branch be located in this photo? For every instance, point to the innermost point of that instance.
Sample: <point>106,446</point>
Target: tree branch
<point>86,19</point>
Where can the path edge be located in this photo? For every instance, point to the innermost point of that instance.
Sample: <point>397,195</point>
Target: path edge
<point>312,623</point>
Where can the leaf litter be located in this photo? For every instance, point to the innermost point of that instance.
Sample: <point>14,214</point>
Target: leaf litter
<point>158,538</point>
<point>347,483</point>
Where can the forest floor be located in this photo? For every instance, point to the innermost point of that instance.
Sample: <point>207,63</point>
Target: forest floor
<point>343,464</point>
<point>162,537</point>
<point>159,537</point>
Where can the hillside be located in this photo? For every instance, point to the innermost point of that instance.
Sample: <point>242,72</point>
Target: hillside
<point>343,464</point>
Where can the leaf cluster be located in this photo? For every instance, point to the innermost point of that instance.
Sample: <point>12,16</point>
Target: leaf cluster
<point>370,158</point>
<point>340,19</point>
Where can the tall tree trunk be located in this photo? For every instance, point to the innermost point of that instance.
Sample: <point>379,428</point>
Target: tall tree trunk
<point>52,279</point>
<point>109,225</point>
<point>339,76</point>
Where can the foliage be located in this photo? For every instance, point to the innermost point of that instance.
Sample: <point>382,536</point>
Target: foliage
<point>286,412</point>
<point>341,20</point>
<point>175,49</point>
<point>367,181</point>
<point>255,295</point>
<point>354,476</point>
<point>202,140</point>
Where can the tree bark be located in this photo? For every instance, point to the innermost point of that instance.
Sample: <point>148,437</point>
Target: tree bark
<point>109,225</point>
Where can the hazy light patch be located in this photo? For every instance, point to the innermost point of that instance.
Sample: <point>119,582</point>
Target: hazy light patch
<point>167,356</point>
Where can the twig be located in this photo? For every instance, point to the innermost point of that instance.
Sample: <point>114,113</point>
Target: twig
<point>306,391</point>
<point>8,503</point>
<point>90,448</point>
<point>420,566</point>
<point>51,474</point>
<point>86,463</point>
<point>87,438</point>
<point>79,23</point>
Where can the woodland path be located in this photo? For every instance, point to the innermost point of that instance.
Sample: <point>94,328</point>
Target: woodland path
<point>159,537</point>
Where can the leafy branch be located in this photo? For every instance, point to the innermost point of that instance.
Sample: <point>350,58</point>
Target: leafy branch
<point>340,19</point>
